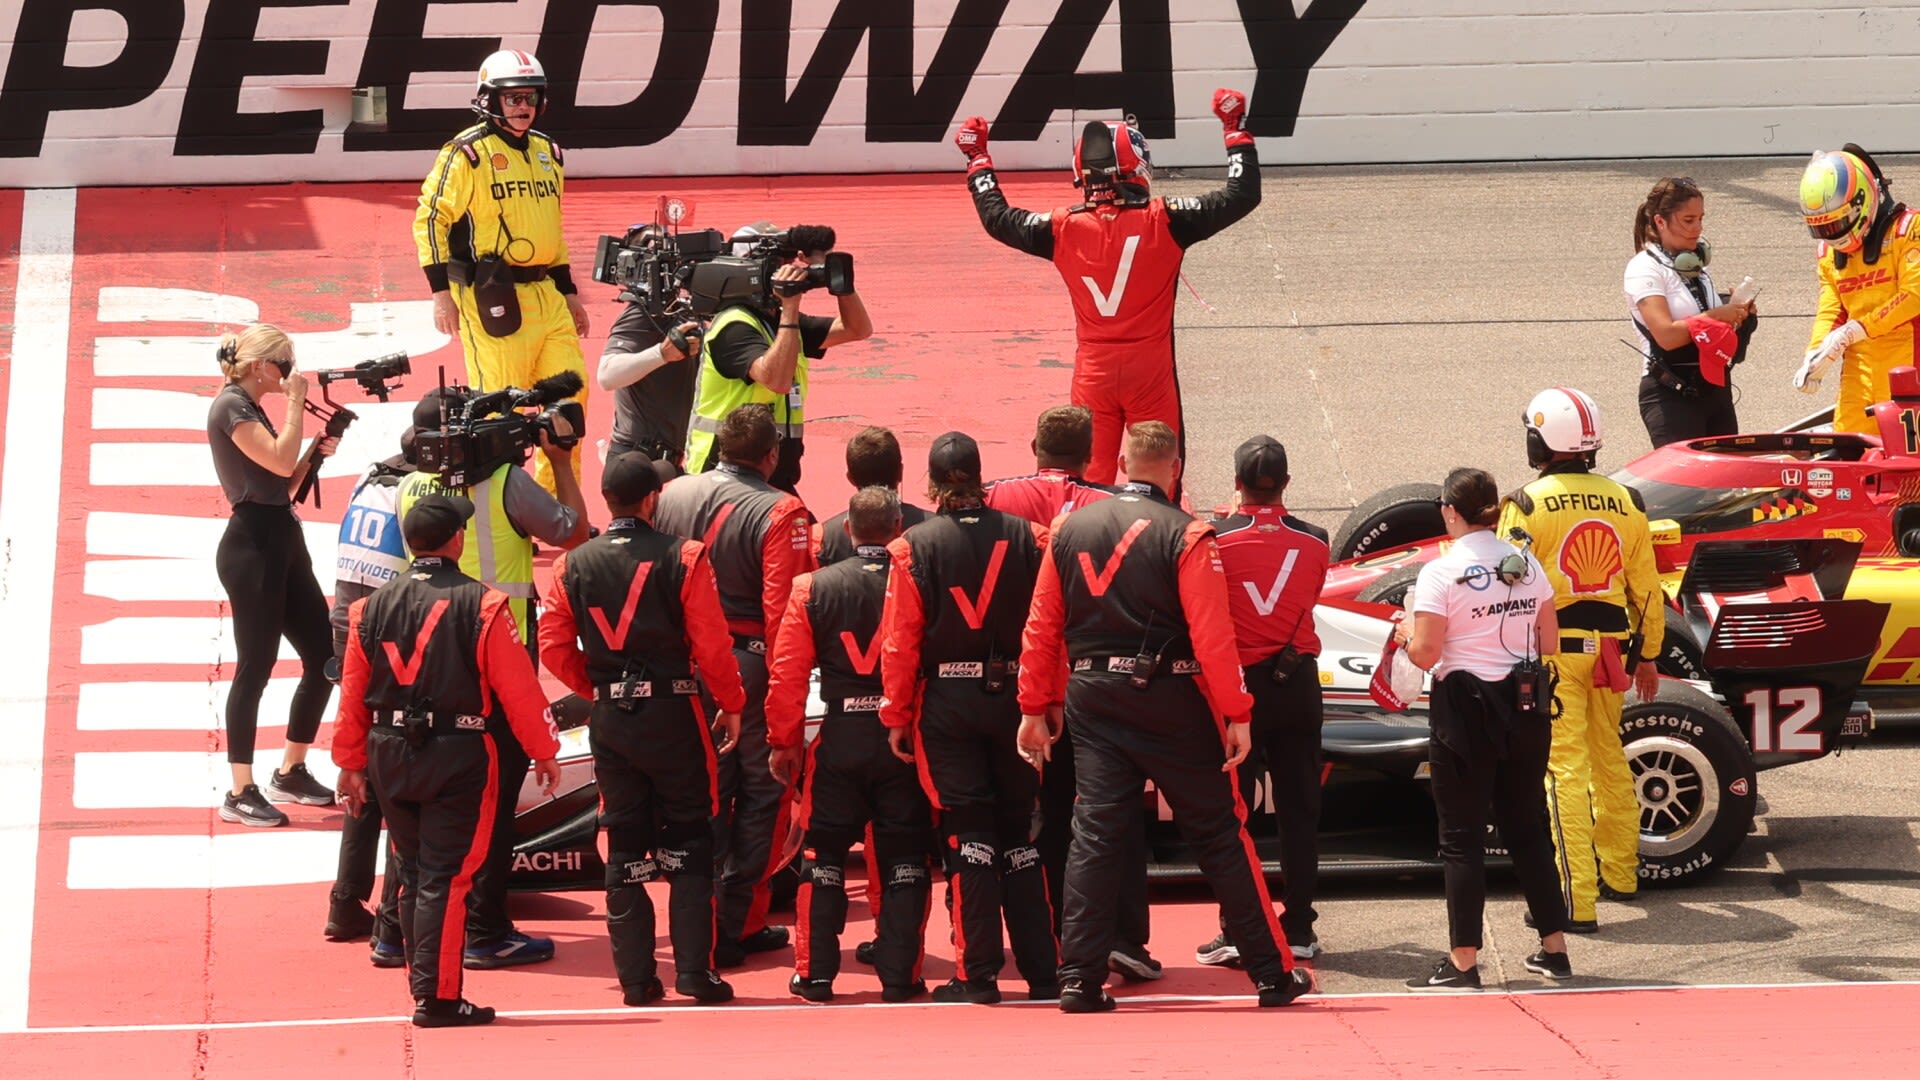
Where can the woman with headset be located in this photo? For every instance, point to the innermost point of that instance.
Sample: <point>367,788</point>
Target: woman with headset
<point>1689,336</point>
<point>1481,618</point>
<point>264,566</point>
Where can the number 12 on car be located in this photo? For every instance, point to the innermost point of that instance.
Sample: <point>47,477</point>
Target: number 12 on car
<point>1782,717</point>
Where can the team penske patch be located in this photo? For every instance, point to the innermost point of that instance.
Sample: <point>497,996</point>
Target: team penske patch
<point>864,703</point>
<point>967,670</point>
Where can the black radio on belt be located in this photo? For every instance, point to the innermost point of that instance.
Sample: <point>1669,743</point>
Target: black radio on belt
<point>1144,666</point>
<point>1533,686</point>
<point>1285,663</point>
<point>626,692</point>
<point>996,675</point>
<point>416,724</point>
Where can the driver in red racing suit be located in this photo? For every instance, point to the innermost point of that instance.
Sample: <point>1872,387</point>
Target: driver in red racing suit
<point>1119,254</point>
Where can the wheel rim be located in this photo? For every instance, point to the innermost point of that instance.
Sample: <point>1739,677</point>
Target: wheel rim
<point>1679,792</point>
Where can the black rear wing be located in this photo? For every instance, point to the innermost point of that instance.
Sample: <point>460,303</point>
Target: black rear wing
<point>1789,672</point>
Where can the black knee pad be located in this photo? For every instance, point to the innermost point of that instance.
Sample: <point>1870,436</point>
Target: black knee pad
<point>971,851</point>
<point>685,848</point>
<point>628,868</point>
<point>900,875</point>
<point>1020,860</point>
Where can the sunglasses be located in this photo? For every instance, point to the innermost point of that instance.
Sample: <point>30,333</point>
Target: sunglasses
<point>283,366</point>
<point>520,97</point>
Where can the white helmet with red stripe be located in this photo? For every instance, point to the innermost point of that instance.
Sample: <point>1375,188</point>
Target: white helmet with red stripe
<point>508,69</point>
<point>1561,420</point>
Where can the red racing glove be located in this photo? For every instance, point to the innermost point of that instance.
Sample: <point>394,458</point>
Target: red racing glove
<point>1231,107</point>
<point>972,141</point>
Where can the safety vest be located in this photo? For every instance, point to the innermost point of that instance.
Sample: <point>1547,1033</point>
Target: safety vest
<point>715,395</point>
<point>496,553</point>
<point>371,551</point>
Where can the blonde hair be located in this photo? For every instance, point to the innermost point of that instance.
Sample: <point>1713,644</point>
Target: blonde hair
<point>1152,441</point>
<point>237,353</point>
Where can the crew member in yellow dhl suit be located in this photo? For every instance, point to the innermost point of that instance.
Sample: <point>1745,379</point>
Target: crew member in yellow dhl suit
<point>1591,535</point>
<point>488,232</point>
<point>1869,266</point>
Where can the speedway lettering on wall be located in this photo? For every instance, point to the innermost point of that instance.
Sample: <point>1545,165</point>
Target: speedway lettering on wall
<point>190,91</point>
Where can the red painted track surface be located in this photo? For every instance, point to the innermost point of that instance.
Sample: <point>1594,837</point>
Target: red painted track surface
<point>171,971</point>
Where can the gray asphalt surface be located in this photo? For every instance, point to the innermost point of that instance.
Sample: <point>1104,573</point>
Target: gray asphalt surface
<point>1389,323</point>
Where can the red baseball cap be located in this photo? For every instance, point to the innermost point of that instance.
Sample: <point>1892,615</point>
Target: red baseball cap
<point>1717,343</point>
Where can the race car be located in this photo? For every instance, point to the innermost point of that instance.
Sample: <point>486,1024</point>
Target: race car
<point>1781,661</point>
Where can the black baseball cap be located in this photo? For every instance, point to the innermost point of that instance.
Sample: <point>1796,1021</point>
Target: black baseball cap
<point>629,478</point>
<point>426,415</point>
<point>954,457</point>
<point>1261,464</point>
<point>435,520</point>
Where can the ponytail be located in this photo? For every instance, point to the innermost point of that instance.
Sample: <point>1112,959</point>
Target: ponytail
<point>1664,199</point>
<point>237,353</point>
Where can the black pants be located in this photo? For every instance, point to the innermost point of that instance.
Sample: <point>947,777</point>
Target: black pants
<point>1287,718</point>
<point>1165,733</point>
<point>1485,754</point>
<point>985,794</point>
<point>263,564</point>
<point>353,879</point>
<point>753,814</point>
<point>438,801</point>
<point>1057,783</point>
<point>854,782</point>
<point>487,920</point>
<point>657,772</point>
<point>1672,416</point>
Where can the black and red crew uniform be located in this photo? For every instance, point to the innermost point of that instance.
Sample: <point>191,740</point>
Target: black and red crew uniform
<point>652,620</point>
<point>1276,565</point>
<point>1120,260</point>
<point>434,667</point>
<point>832,542</point>
<point>1132,576</point>
<point>758,539</point>
<point>853,780</point>
<point>956,600</point>
<point>1040,498</point>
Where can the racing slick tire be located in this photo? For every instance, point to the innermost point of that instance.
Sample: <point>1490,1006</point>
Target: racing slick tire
<point>1401,515</point>
<point>1393,587</point>
<point>1694,776</point>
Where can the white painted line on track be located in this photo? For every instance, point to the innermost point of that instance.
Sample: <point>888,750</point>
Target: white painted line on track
<point>230,859</point>
<point>372,329</point>
<point>30,498</point>
<point>165,779</point>
<point>133,639</point>
<point>1304,1007</point>
<point>173,706</point>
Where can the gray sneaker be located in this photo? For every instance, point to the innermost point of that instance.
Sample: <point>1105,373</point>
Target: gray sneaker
<point>250,808</point>
<point>297,785</point>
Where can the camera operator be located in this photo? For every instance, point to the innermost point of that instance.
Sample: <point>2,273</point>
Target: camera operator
<point>651,383</point>
<point>511,512</point>
<point>1491,728</point>
<point>264,567</point>
<point>873,460</point>
<point>423,738</point>
<point>755,355</point>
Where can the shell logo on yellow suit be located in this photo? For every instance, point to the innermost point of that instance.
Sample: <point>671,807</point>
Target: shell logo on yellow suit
<point>1591,557</point>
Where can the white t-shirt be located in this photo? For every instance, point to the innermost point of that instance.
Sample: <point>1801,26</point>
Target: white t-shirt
<point>1650,275</point>
<point>1490,624</point>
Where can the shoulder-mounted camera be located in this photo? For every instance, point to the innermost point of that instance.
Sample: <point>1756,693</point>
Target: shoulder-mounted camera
<point>673,274</point>
<point>479,432</point>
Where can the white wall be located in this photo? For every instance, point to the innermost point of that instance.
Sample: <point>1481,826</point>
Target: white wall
<point>1404,80</point>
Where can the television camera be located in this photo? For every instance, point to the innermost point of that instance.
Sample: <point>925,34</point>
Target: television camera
<point>674,274</point>
<point>479,432</point>
<point>379,377</point>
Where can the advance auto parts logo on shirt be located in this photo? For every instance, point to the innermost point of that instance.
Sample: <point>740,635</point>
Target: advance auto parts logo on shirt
<point>1590,557</point>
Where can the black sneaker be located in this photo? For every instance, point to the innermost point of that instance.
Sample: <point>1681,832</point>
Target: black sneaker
<point>1554,965</point>
<point>863,953</point>
<point>250,808</point>
<point>704,987</point>
<point>1305,950</point>
<point>1134,963</point>
<point>511,951</point>
<point>1081,996</point>
<point>1296,985</point>
<point>1446,978</point>
<point>897,994</point>
<point>385,954</point>
<point>297,785</point>
<point>645,994</point>
<point>1218,952</point>
<point>1574,926</point>
<point>455,1012</point>
<point>977,992</point>
<point>348,920</point>
<point>1608,892</point>
<point>765,939</point>
<point>811,989</point>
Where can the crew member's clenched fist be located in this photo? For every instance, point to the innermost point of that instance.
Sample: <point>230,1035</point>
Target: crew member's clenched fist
<point>972,141</point>
<point>1231,107</point>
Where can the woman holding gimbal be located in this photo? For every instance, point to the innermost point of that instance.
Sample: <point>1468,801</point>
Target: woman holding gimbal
<point>1481,615</point>
<point>264,566</point>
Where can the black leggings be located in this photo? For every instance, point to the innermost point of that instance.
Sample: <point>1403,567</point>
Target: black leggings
<point>264,566</point>
<point>1672,416</point>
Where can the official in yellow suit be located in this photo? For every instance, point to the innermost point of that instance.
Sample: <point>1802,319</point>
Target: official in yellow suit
<point>1591,535</point>
<point>1869,267</point>
<point>488,233</point>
